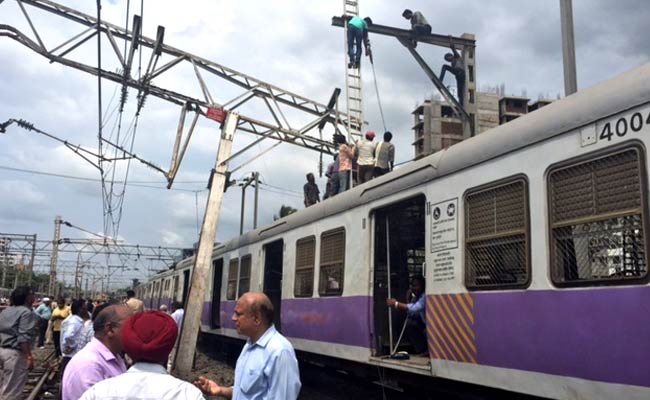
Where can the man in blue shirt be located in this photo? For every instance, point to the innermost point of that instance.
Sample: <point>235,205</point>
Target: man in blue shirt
<point>415,310</point>
<point>44,311</point>
<point>267,367</point>
<point>357,32</point>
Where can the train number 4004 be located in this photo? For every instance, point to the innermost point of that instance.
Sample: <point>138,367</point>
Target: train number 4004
<point>623,125</point>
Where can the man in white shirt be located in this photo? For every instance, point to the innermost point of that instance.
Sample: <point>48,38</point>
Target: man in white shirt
<point>366,157</point>
<point>178,313</point>
<point>147,338</point>
<point>72,328</point>
<point>267,367</point>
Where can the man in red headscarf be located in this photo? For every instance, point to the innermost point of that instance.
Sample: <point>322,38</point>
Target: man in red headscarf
<point>147,338</point>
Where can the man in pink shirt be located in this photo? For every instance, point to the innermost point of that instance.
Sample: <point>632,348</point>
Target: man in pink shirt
<point>101,358</point>
<point>346,154</point>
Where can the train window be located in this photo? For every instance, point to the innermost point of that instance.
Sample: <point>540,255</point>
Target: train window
<point>305,260</point>
<point>231,290</point>
<point>244,275</point>
<point>496,236</point>
<point>596,211</point>
<point>332,263</point>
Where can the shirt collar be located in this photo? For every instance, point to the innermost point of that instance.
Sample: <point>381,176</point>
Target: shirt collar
<point>104,351</point>
<point>264,339</point>
<point>147,367</point>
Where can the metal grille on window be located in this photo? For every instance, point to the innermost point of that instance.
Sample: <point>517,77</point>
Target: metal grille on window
<point>305,258</point>
<point>496,237</point>
<point>596,212</point>
<point>231,290</point>
<point>332,261</point>
<point>244,275</point>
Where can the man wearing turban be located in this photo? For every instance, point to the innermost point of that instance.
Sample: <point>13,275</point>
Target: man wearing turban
<point>147,338</point>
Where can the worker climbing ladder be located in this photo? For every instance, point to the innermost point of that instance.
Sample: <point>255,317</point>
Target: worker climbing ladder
<point>353,83</point>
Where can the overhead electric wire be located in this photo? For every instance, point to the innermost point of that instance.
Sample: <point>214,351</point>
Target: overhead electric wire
<point>81,178</point>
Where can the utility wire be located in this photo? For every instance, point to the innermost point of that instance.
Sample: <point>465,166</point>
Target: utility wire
<point>81,178</point>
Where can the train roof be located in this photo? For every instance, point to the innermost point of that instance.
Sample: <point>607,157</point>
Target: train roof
<point>581,108</point>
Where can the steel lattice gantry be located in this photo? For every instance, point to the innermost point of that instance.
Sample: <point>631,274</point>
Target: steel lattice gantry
<point>273,97</point>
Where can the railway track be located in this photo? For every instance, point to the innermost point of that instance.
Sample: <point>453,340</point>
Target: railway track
<point>42,382</point>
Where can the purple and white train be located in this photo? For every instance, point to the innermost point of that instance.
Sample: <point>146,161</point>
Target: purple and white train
<point>532,239</point>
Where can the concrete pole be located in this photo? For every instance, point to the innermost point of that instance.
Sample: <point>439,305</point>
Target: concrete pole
<point>256,175</point>
<point>5,259</point>
<point>568,47</point>
<point>31,263</point>
<point>203,260</point>
<point>241,215</point>
<point>55,256</point>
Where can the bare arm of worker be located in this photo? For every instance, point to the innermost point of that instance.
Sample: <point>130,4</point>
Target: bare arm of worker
<point>211,388</point>
<point>24,348</point>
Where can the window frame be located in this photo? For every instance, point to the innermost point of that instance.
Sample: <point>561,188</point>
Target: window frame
<point>321,291</point>
<point>233,262</point>
<point>248,258</point>
<point>551,226</point>
<point>306,239</point>
<point>489,186</point>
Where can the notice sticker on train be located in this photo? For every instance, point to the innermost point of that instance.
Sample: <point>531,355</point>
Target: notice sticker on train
<point>444,225</point>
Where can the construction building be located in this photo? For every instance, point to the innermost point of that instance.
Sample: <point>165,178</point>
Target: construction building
<point>436,127</point>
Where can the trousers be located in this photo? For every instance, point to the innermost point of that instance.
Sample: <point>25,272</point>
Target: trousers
<point>13,373</point>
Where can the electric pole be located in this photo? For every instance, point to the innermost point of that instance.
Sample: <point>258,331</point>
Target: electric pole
<point>52,289</point>
<point>568,48</point>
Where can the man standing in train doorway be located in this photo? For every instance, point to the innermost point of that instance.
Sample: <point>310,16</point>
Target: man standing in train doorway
<point>415,316</point>
<point>267,367</point>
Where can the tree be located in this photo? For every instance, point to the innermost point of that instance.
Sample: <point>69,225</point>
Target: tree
<point>284,211</point>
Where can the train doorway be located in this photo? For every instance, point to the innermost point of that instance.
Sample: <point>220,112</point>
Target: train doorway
<point>217,270</point>
<point>273,277</point>
<point>399,254</point>
<point>186,285</point>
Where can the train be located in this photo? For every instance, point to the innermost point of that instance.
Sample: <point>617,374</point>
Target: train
<point>531,237</point>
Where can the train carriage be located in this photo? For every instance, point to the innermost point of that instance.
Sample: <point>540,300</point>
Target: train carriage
<point>531,236</point>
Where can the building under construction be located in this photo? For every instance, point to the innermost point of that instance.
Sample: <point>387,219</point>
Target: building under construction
<point>436,127</point>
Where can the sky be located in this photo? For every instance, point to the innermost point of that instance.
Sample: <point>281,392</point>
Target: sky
<point>290,44</point>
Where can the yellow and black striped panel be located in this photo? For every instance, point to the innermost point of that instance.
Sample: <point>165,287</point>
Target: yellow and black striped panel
<point>450,327</point>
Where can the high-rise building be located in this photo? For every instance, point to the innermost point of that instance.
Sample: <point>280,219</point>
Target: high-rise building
<point>436,127</point>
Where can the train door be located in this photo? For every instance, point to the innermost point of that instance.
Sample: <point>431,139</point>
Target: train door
<point>217,271</point>
<point>399,240</point>
<point>273,276</point>
<point>186,284</point>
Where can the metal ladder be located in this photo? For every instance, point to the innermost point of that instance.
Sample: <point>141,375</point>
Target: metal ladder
<point>353,84</point>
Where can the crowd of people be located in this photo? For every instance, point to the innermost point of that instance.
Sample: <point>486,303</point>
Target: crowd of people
<point>119,350</point>
<point>354,164</point>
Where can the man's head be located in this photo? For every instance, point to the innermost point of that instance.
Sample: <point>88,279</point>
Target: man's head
<point>407,13</point>
<point>47,301</point>
<point>417,284</point>
<point>60,302</point>
<point>22,296</point>
<point>449,57</point>
<point>253,315</point>
<point>78,307</point>
<point>108,323</point>
<point>176,305</point>
<point>370,135</point>
<point>149,336</point>
<point>368,20</point>
<point>130,293</point>
<point>310,177</point>
<point>163,307</point>
<point>387,136</point>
